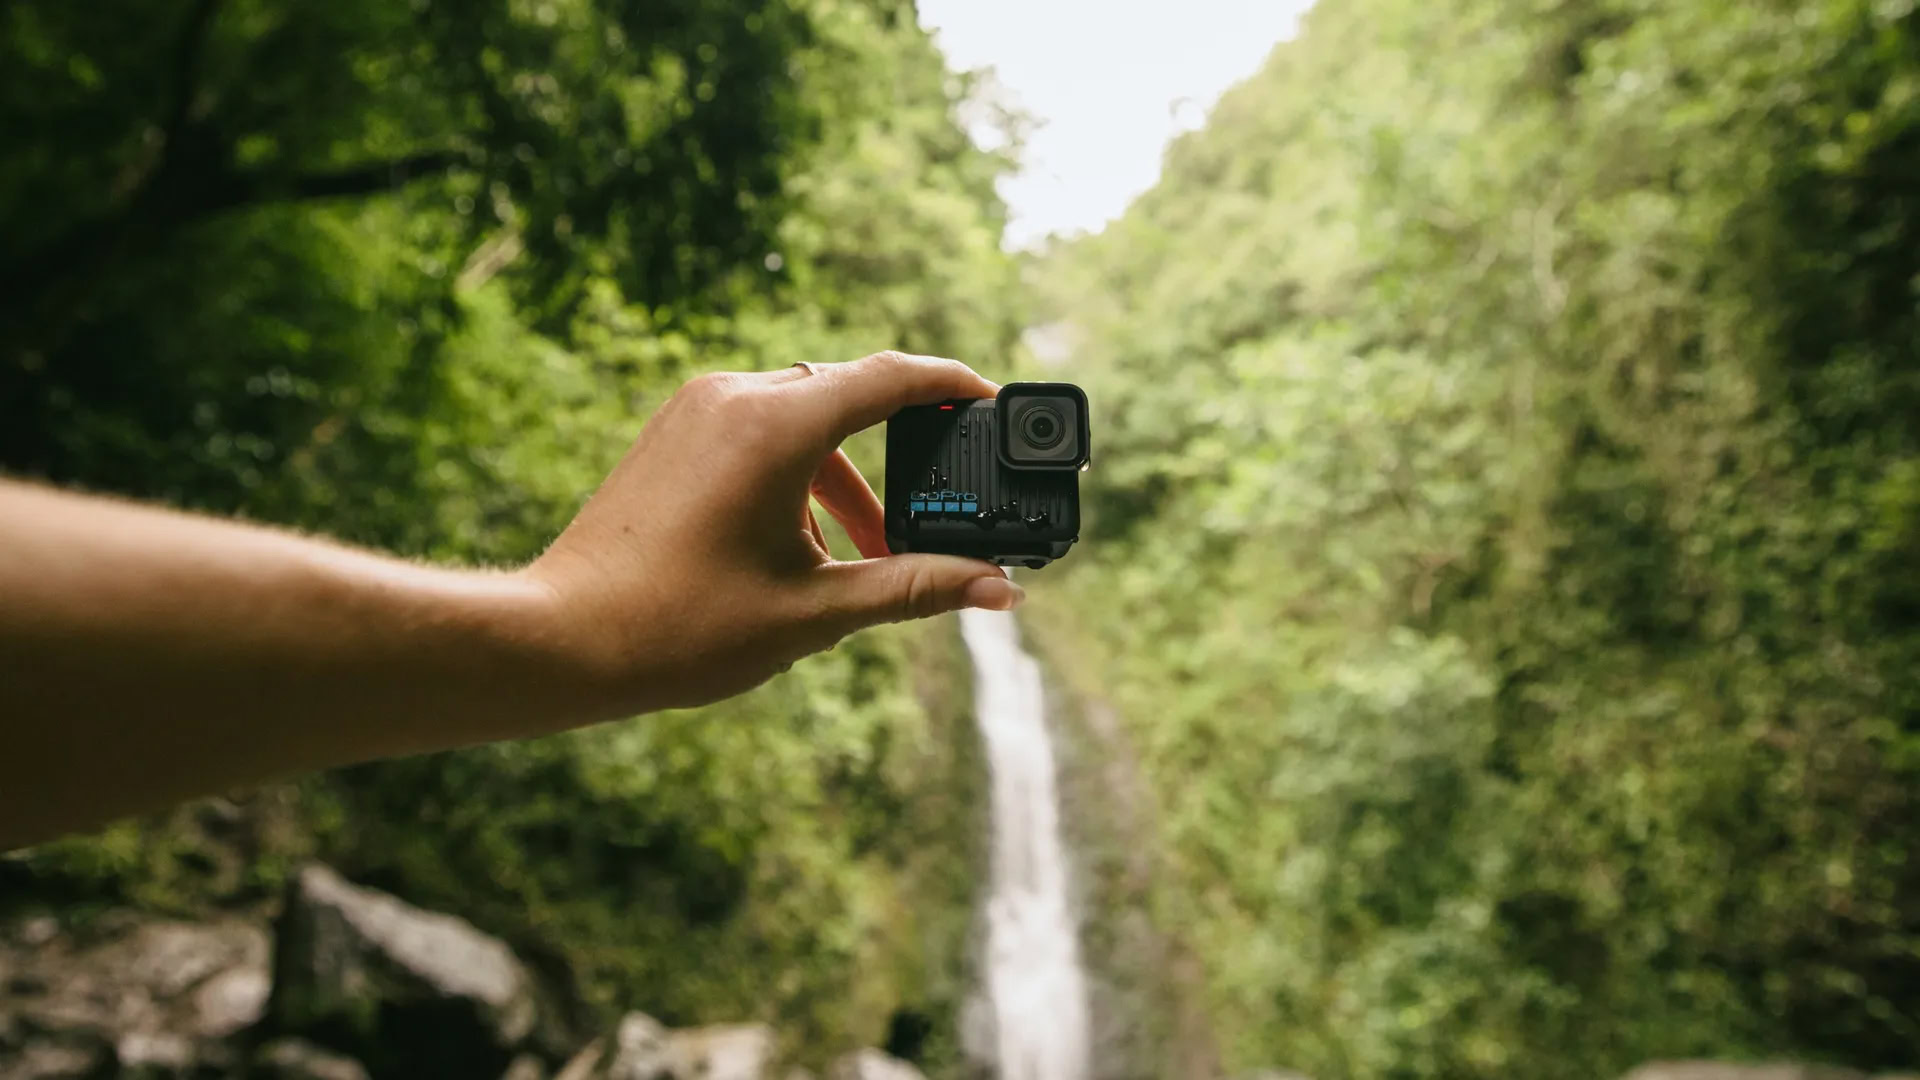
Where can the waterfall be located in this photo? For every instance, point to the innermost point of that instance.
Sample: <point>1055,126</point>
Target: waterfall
<point>1034,982</point>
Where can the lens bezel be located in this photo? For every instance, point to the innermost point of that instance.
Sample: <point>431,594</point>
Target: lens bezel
<point>1017,450</point>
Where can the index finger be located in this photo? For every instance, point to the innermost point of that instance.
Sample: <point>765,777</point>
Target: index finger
<point>841,399</point>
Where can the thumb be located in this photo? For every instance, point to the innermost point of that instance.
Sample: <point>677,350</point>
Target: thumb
<point>897,588</point>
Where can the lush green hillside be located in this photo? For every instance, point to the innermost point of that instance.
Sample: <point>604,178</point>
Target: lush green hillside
<point>1508,520</point>
<point>601,199</point>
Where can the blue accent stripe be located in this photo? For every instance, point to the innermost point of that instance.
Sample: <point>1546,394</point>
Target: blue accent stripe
<point>917,505</point>
<point>968,508</point>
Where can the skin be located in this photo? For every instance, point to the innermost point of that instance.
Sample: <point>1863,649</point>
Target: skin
<point>149,656</point>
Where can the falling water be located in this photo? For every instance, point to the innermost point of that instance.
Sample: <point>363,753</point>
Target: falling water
<point>1033,978</point>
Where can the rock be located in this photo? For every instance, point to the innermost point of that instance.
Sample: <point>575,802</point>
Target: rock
<point>1715,1070</point>
<point>408,992</point>
<point>872,1065</point>
<point>230,1000</point>
<point>639,1050</point>
<point>173,957</point>
<point>297,1059</point>
<point>145,979</point>
<point>37,931</point>
<point>582,1064</point>
<point>157,1053</point>
<point>58,1059</point>
<point>722,1052</point>
<point>525,1067</point>
<point>645,1050</point>
<point>147,997</point>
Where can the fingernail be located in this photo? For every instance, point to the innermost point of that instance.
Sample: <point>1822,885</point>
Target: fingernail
<point>993,593</point>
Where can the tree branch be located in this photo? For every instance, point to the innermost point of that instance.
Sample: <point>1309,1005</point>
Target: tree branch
<point>172,205</point>
<point>371,178</point>
<point>186,66</point>
<point>235,190</point>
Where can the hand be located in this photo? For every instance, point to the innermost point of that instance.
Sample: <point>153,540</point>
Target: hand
<point>698,570</point>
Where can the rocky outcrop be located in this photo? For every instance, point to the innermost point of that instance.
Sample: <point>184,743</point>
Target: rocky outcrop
<point>409,992</point>
<point>361,986</point>
<point>129,996</point>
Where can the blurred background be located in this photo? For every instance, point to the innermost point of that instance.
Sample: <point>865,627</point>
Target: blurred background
<point>1494,648</point>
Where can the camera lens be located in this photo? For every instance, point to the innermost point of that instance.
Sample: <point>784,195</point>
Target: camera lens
<point>1042,427</point>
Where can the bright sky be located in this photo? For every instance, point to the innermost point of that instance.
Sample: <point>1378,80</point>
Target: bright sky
<point>1110,81</point>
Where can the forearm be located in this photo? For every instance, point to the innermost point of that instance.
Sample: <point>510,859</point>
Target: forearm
<point>147,656</point>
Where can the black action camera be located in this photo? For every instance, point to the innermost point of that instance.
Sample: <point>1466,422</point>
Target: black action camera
<point>989,478</point>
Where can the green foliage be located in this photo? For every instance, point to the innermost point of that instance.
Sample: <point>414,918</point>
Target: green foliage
<point>444,358</point>
<point>1501,552</point>
<point>1505,535</point>
<point>592,135</point>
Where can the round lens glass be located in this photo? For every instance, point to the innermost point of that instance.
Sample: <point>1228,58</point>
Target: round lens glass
<point>1042,427</point>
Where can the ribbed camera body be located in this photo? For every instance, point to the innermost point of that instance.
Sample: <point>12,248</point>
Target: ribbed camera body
<point>995,479</point>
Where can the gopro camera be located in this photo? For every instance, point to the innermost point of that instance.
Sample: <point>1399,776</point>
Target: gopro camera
<point>989,478</point>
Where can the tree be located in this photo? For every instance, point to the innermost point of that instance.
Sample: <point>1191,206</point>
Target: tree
<point>1505,534</point>
<point>445,363</point>
<point>638,141</point>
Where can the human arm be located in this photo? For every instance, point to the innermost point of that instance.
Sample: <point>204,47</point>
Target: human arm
<point>148,656</point>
